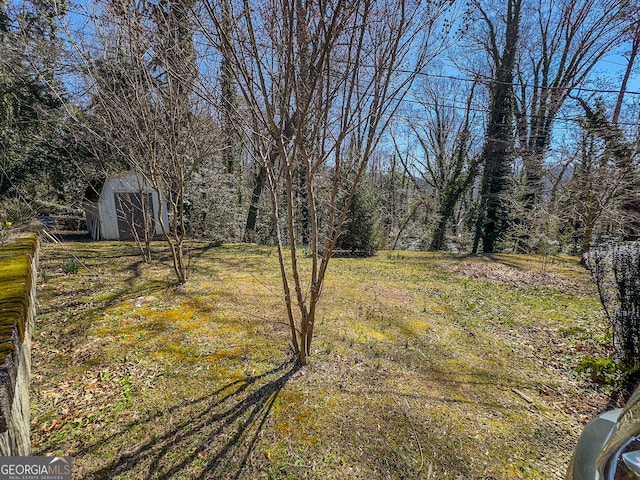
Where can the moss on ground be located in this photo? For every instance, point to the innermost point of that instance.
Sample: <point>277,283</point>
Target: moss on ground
<point>424,366</point>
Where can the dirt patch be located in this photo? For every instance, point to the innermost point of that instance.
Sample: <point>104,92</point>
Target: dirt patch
<point>500,273</point>
<point>384,293</point>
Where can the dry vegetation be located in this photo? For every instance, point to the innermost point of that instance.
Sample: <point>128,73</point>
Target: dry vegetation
<point>424,366</point>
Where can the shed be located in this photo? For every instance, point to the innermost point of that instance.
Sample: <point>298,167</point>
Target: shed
<point>123,207</point>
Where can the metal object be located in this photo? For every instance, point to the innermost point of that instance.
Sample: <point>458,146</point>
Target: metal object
<point>609,447</point>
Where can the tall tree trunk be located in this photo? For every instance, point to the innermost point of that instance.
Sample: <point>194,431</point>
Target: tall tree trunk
<point>252,215</point>
<point>261,179</point>
<point>302,204</point>
<point>498,146</point>
<point>631,204</point>
<point>229,96</point>
<point>635,46</point>
<point>437,242</point>
<point>588,233</point>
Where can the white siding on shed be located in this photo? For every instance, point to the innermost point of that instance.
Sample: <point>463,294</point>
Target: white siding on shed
<point>102,216</point>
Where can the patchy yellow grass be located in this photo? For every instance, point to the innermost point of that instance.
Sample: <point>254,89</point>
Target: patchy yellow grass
<point>424,366</point>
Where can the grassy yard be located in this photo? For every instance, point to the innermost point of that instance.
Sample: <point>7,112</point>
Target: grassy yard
<point>425,366</point>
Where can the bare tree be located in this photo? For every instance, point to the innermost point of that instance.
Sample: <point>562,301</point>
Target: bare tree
<point>321,79</point>
<point>501,42</point>
<point>632,32</point>
<point>562,43</point>
<point>448,166</point>
<point>631,204</point>
<point>141,74</point>
<point>400,197</point>
<point>229,97</point>
<point>603,173</point>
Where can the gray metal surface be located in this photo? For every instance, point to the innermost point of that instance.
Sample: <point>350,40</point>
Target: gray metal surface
<point>592,441</point>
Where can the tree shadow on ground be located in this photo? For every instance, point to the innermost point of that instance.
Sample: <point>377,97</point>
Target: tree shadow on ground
<point>213,436</point>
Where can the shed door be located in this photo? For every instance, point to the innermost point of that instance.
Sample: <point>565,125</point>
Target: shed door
<point>135,215</point>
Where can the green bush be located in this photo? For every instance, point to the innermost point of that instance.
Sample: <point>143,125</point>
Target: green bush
<point>71,265</point>
<point>603,371</point>
<point>606,371</point>
<point>359,235</point>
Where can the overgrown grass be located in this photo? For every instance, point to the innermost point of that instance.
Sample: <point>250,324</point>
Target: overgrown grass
<point>424,366</point>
